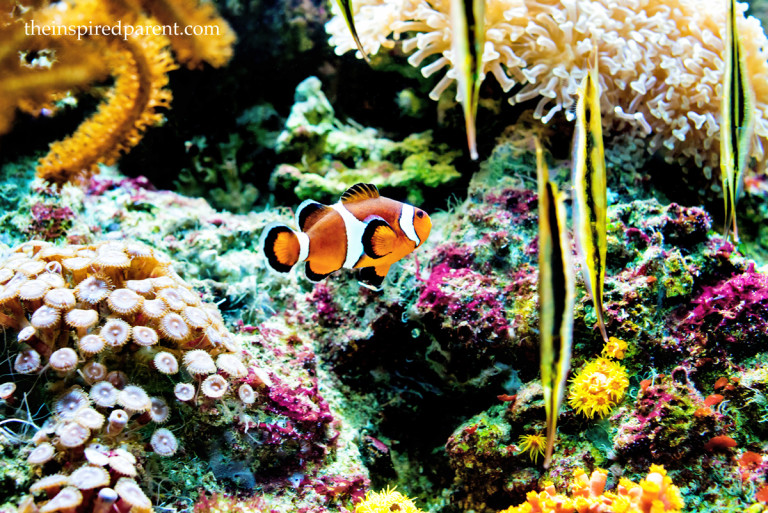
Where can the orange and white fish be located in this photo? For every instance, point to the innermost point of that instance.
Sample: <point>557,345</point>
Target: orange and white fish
<point>362,231</point>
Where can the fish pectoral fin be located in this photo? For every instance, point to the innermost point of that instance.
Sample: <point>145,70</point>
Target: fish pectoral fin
<point>359,192</point>
<point>310,212</point>
<point>312,275</point>
<point>378,238</point>
<point>373,276</point>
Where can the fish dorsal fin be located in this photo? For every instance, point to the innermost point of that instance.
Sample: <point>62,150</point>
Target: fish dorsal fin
<point>310,212</point>
<point>378,238</point>
<point>359,192</point>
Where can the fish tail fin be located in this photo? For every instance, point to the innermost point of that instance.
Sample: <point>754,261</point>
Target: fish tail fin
<point>551,430</point>
<point>601,321</point>
<point>283,247</point>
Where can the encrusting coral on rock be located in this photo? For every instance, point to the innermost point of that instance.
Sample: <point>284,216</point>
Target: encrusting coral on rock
<point>661,63</point>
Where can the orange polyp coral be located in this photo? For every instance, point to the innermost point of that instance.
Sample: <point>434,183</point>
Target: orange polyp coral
<point>654,494</point>
<point>140,66</point>
<point>215,47</point>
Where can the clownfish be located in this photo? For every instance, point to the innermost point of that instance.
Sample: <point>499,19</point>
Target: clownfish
<point>362,231</point>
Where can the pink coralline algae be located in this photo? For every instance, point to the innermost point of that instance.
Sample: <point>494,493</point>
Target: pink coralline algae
<point>326,311</point>
<point>731,311</point>
<point>665,426</point>
<point>470,303</point>
<point>49,222</point>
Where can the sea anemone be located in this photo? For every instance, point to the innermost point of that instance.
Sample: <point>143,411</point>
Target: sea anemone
<point>27,361</point>
<point>134,398</point>
<point>164,442</point>
<point>116,332</point>
<point>89,477</point>
<point>144,336</point>
<point>166,363</point>
<point>172,326</point>
<point>70,403</point>
<point>91,344</point>
<point>60,298</point>
<point>199,362</point>
<point>93,289</point>
<point>159,412</point>
<point>184,391</point>
<point>93,372</point>
<point>41,454</point>
<point>214,386</point>
<point>63,360</point>
<point>104,394</point>
<point>72,434</point>
<point>124,301</point>
<point>66,500</point>
<point>598,388</point>
<point>130,492</point>
<point>660,62</point>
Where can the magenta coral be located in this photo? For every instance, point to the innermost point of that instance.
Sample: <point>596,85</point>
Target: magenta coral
<point>733,310</point>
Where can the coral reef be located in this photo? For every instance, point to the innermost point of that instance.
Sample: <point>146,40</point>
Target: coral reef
<point>660,64</point>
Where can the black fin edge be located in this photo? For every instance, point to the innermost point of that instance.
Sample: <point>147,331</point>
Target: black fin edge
<point>308,210</point>
<point>369,277</point>
<point>367,188</point>
<point>370,229</point>
<point>312,275</point>
<point>269,249</point>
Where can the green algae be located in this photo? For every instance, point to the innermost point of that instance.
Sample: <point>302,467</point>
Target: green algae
<point>328,156</point>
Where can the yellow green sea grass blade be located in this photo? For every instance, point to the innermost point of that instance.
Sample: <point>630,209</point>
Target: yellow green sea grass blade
<point>590,188</point>
<point>736,123</point>
<point>556,299</point>
<point>467,44</point>
<point>349,17</point>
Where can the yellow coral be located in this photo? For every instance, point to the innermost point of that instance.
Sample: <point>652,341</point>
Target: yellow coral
<point>386,501</point>
<point>654,494</point>
<point>534,444</point>
<point>598,387</point>
<point>140,66</point>
<point>615,348</point>
<point>660,61</point>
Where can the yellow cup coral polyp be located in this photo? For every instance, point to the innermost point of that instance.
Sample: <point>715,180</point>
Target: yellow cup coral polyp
<point>386,501</point>
<point>598,387</point>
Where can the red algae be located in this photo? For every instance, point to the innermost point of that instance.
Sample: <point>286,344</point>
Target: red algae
<point>720,443</point>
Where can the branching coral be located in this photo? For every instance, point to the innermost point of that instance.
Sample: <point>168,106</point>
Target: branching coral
<point>138,62</point>
<point>655,493</point>
<point>660,62</point>
<point>140,66</point>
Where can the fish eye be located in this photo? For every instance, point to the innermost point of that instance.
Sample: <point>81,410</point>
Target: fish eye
<point>419,214</point>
